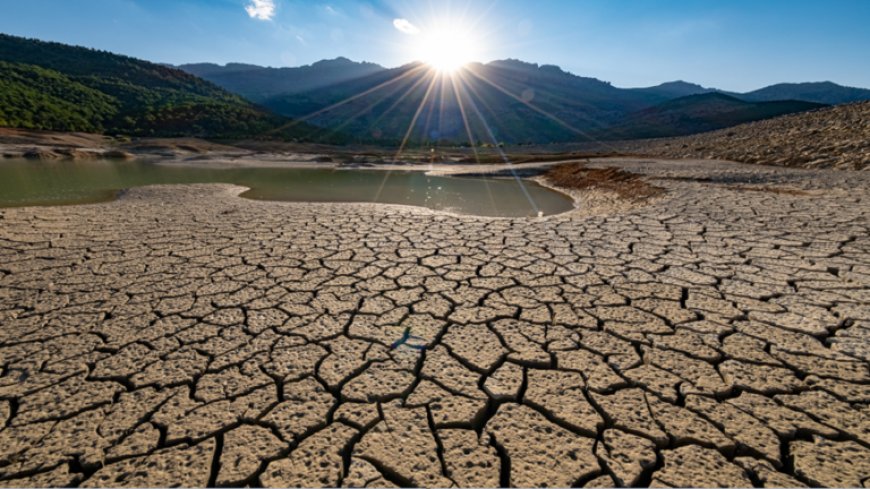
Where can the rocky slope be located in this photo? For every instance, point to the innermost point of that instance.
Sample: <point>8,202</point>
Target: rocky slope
<point>836,137</point>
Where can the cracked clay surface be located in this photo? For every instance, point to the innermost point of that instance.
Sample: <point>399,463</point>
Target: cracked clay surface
<point>716,336</point>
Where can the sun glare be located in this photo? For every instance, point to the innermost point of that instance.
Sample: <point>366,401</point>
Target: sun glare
<point>447,49</point>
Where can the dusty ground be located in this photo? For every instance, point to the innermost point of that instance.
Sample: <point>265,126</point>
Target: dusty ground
<point>714,335</point>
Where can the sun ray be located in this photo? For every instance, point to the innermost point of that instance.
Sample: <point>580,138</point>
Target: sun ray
<point>504,157</point>
<point>420,81</point>
<point>368,91</point>
<point>543,112</point>
<point>471,140</point>
<point>385,112</point>
<point>442,109</point>
<point>532,106</point>
<point>407,135</point>
<point>430,111</point>
<point>416,116</point>
<point>363,93</point>
<point>464,116</point>
<point>482,101</point>
<point>569,101</point>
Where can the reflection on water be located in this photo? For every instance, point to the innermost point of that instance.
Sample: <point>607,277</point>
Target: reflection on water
<point>74,182</point>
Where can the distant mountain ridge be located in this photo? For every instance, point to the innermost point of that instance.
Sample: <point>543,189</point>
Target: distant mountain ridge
<point>508,101</point>
<point>676,89</point>
<point>700,113</point>
<point>303,78</point>
<point>516,102</point>
<point>258,83</point>
<point>505,101</point>
<point>818,92</point>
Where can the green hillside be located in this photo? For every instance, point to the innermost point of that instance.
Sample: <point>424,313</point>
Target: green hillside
<point>35,98</point>
<point>52,86</point>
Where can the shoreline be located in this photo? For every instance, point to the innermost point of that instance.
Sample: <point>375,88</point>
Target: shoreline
<point>587,201</point>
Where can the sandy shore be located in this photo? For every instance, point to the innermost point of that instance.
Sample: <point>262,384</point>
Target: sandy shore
<point>716,335</point>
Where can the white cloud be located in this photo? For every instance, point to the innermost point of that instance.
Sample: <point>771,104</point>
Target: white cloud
<point>301,40</point>
<point>330,10</point>
<point>405,26</point>
<point>261,9</point>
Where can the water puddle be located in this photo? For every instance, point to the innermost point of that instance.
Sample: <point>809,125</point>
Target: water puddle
<point>24,183</point>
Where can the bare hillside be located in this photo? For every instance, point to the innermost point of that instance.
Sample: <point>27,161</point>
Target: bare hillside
<point>836,137</point>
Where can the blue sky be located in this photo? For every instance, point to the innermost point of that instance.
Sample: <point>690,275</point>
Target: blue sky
<point>735,45</point>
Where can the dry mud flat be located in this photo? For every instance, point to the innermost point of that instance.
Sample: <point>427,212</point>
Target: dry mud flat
<point>718,335</point>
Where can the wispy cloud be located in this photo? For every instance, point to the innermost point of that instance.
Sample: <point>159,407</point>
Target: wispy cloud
<point>261,9</point>
<point>301,40</point>
<point>330,10</point>
<point>405,26</point>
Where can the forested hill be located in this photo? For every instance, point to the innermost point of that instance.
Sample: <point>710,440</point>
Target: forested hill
<point>52,86</point>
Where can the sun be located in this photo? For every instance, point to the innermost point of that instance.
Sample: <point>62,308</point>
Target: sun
<point>447,48</point>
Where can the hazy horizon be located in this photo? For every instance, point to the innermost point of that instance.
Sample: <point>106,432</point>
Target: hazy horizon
<point>740,46</point>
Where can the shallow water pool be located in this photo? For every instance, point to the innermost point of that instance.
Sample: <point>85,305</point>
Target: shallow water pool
<point>24,183</point>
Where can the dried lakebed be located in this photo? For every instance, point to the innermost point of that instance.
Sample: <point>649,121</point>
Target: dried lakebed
<point>181,335</point>
<point>25,182</point>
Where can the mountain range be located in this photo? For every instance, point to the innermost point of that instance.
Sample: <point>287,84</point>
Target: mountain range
<point>53,86</point>
<point>258,83</point>
<point>504,101</point>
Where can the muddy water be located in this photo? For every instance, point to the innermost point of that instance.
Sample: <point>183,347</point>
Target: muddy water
<point>24,183</point>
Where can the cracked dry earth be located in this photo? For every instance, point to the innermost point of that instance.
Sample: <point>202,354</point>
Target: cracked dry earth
<point>717,336</point>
